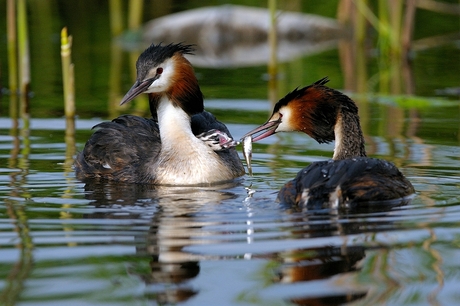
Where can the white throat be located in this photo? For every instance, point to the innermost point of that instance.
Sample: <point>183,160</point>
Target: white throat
<point>184,159</point>
<point>338,131</point>
<point>174,124</point>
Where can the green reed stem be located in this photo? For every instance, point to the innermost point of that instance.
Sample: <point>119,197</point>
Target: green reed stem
<point>116,17</point>
<point>396,8</point>
<point>135,14</point>
<point>12,40</point>
<point>24,78</point>
<point>12,48</point>
<point>134,22</point>
<point>360,25</point>
<point>23,50</point>
<point>273,61</point>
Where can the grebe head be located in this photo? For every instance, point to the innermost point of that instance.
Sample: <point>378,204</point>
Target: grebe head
<point>163,70</point>
<point>217,140</point>
<point>313,110</point>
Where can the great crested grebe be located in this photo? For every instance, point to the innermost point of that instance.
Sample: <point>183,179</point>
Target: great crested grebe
<point>350,179</point>
<point>180,145</point>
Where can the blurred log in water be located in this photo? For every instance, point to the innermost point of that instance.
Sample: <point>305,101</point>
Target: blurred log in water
<point>230,35</point>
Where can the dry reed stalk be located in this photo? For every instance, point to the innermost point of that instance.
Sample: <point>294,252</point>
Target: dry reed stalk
<point>67,74</point>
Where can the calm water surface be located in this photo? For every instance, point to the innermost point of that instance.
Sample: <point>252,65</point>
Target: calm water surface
<point>65,242</point>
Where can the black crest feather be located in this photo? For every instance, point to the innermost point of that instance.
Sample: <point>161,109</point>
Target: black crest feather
<point>297,93</point>
<point>157,54</point>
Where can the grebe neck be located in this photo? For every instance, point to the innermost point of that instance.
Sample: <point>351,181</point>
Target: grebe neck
<point>349,139</point>
<point>184,159</point>
<point>174,124</point>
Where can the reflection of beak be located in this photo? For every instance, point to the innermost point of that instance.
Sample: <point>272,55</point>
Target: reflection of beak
<point>268,128</point>
<point>137,89</point>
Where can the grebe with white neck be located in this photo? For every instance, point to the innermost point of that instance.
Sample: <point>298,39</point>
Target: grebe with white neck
<point>164,149</point>
<point>350,179</point>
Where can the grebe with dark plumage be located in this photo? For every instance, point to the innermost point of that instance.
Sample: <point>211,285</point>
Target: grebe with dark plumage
<point>180,145</point>
<point>350,179</point>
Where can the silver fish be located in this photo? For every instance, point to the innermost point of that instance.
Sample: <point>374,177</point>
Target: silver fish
<point>247,152</point>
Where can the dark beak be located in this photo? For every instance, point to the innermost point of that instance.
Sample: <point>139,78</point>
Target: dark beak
<point>137,89</point>
<point>267,129</point>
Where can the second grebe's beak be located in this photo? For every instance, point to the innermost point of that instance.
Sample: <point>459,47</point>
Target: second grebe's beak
<point>266,129</point>
<point>137,89</point>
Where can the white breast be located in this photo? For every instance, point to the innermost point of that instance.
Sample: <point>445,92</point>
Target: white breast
<point>185,159</point>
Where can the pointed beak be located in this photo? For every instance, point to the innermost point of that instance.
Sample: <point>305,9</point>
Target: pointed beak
<point>229,144</point>
<point>137,89</point>
<point>266,129</point>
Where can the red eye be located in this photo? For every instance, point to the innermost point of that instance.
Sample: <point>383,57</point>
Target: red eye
<point>159,70</point>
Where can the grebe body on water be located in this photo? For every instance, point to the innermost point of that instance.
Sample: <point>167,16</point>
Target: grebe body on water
<point>180,145</point>
<point>350,179</point>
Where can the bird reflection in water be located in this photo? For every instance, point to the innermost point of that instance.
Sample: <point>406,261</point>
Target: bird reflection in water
<point>176,222</point>
<point>314,264</point>
<point>333,263</point>
<point>172,226</point>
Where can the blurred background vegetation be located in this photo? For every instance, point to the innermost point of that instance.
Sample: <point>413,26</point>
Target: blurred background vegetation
<point>434,55</point>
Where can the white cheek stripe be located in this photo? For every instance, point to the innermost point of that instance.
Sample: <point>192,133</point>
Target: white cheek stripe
<point>164,81</point>
<point>285,125</point>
